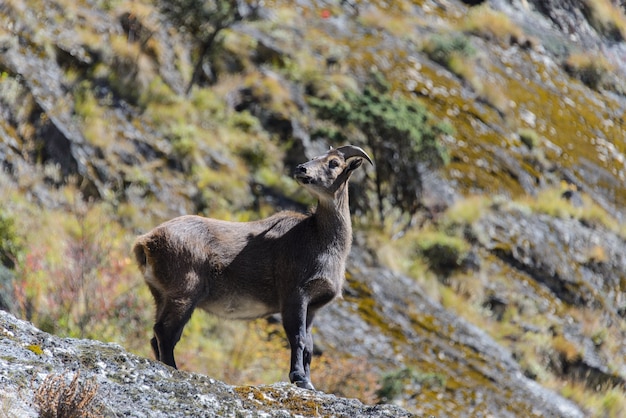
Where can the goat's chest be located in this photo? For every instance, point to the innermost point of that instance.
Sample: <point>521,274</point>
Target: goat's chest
<point>325,281</point>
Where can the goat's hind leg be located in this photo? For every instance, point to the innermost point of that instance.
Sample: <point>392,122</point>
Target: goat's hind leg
<point>159,303</point>
<point>169,328</point>
<point>308,347</point>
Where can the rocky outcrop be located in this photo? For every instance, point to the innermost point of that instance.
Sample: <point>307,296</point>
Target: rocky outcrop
<point>543,247</point>
<point>127,385</point>
<point>388,319</point>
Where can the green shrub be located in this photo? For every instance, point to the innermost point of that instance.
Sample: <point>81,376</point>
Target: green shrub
<point>403,136</point>
<point>255,156</point>
<point>157,92</point>
<point>443,252</point>
<point>245,121</point>
<point>392,384</point>
<point>129,73</point>
<point>184,140</point>
<point>442,48</point>
<point>203,21</point>
<point>529,137</point>
<point>10,242</point>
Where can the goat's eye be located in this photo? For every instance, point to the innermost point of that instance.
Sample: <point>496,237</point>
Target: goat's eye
<point>333,164</point>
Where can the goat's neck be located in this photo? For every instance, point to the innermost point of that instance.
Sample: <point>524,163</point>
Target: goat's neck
<point>333,215</point>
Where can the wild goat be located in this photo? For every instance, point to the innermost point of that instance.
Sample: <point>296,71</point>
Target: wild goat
<point>289,263</point>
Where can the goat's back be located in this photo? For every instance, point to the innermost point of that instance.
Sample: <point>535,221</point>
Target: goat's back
<point>223,265</point>
<point>190,243</point>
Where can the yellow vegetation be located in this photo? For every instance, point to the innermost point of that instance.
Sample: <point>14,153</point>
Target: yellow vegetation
<point>466,211</point>
<point>397,21</point>
<point>592,68</point>
<point>607,18</point>
<point>35,348</point>
<point>566,348</point>
<point>605,402</point>
<point>492,25</point>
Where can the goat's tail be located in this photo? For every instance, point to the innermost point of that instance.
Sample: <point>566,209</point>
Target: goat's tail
<point>139,250</point>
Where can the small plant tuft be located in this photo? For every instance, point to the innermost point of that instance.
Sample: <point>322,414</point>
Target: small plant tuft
<point>443,48</point>
<point>529,137</point>
<point>55,398</point>
<point>35,348</point>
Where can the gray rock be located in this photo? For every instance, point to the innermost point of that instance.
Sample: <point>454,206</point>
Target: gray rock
<point>559,254</point>
<point>405,328</point>
<point>128,385</point>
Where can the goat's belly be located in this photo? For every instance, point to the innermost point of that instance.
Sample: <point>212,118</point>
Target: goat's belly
<point>238,308</point>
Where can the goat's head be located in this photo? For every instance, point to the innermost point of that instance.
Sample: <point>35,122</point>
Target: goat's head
<point>325,175</point>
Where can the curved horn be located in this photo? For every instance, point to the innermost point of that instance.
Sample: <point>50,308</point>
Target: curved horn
<point>350,151</point>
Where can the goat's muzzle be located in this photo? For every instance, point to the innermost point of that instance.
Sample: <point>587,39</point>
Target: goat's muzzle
<point>301,176</point>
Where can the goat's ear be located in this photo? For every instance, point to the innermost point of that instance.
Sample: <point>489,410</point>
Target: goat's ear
<point>355,163</point>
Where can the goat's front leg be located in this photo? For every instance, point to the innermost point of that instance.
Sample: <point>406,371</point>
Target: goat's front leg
<point>295,324</point>
<point>308,348</point>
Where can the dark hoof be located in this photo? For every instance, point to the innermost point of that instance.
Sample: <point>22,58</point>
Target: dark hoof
<point>301,381</point>
<point>304,385</point>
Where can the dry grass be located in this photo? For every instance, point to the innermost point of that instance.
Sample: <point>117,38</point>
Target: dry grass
<point>550,202</point>
<point>11,405</point>
<point>400,23</point>
<point>236,352</point>
<point>55,398</point>
<point>93,117</point>
<point>270,90</point>
<point>592,68</point>
<point>569,351</point>
<point>606,18</point>
<point>466,211</point>
<point>492,25</point>
<point>607,402</point>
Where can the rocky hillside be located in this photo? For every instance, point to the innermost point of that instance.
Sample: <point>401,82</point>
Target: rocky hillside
<point>41,372</point>
<point>488,275</point>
